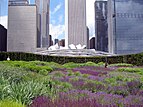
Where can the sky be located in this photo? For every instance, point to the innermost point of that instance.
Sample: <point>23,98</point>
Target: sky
<point>57,17</point>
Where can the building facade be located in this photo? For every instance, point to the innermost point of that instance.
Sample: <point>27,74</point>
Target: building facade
<point>43,23</point>
<point>75,22</point>
<point>18,2</point>
<point>125,26</point>
<point>22,28</point>
<point>88,46</point>
<point>56,41</point>
<point>101,25</point>
<point>50,40</point>
<point>62,42</point>
<point>92,43</point>
<point>3,38</point>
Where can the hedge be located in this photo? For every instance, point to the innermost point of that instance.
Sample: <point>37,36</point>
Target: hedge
<point>135,59</point>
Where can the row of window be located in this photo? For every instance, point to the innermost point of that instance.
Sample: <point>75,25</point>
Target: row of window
<point>130,15</point>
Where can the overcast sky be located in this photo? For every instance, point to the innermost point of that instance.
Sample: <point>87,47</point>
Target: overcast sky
<point>57,15</point>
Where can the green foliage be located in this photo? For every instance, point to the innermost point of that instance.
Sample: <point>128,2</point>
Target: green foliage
<point>71,65</point>
<point>111,81</point>
<point>132,70</point>
<point>25,91</point>
<point>10,103</point>
<point>122,65</point>
<point>32,66</point>
<point>90,64</point>
<point>101,64</point>
<point>43,72</point>
<point>57,74</point>
<point>60,86</point>
<point>77,73</point>
<point>135,59</point>
<point>85,75</point>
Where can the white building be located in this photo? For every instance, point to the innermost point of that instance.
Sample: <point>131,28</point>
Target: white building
<point>22,28</point>
<point>75,22</point>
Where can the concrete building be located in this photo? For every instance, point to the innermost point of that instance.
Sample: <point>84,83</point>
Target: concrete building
<point>101,25</point>
<point>92,43</point>
<point>43,23</point>
<point>50,40</point>
<point>3,38</point>
<point>88,46</point>
<point>56,41</point>
<point>22,28</point>
<point>75,22</point>
<point>62,42</point>
<point>125,26</point>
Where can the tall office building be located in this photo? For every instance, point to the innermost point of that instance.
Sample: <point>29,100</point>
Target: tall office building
<point>43,23</point>
<point>88,46</point>
<point>56,41</point>
<point>18,2</point>
<point>50,40</point>
<point>101,26</point>
<point>75,22</point>
<point>92,43</point>
<point>22,30</point>
<point>3,38</point>
<point>62,42</point>
<point>125,25</point>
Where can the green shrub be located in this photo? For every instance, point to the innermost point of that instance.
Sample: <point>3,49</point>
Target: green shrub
<point>111,81</point>
<point>122,65</point>
<point>9,103</point>
<point>58,74</point>
<point>85,75</point>
<point>77,73</point>
<point>132,70</point>
<point>90,64</point>
<point>3,84</point>
<point>101,63</point>
<point>25,91</point>
<point>43,72</point>
<point>71,65</point>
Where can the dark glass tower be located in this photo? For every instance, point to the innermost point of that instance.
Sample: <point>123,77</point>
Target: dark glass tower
<point>125,26</point>
<point>43,23</point>
<point>3,38</point>
<point>101,26</point>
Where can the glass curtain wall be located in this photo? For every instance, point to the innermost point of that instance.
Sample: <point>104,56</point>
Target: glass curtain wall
<point>128,26</point>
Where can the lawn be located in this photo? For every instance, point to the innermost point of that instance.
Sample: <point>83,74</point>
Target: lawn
<point>49,84</point>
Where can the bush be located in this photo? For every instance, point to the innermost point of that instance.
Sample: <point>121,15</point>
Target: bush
<point>90,64</point>
<point>122,65</point>
<point>9,103</point>
<point>25,91</point>
<point>132,70</point>
<point>71,65</point>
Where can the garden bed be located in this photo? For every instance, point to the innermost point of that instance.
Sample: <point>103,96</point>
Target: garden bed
<point>49,84</point>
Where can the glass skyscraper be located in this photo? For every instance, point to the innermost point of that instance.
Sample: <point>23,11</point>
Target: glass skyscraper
<point>125,26</point>
<point>43,23</point>
<point>101,25</point>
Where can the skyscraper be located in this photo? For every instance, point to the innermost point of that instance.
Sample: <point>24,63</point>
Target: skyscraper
<point>43,23</point>
<point>18,2</point>
<point>125,27</point>
<point>75,22</point>
<point>88,46</point>
<point>101,25</point>
<point>22,28</point>
<point>3,38</point>
<point>92,43</point>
